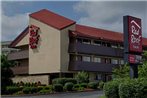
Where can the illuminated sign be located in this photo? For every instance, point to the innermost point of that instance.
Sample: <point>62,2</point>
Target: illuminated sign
<point>34,36</point>
<point>135,34</point>
<point>135,59</point>
<point>132,43</point>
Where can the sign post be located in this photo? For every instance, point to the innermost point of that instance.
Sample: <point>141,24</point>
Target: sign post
<point>132,43</point>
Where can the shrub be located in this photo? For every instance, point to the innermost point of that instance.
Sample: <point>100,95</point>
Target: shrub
<point>49,87</point>
<point>58,87</point>
<point>63,81</point>
<point>68,86</point>
<point>80,89</point>
<point>12,89</point>
<point>74,81</point>
<point>82,77</point>
<point>111,89</point>
<point>76,87</point>
<point>83,85</point>
<point>27,84</point>
<point>43,91</point>
<point>93,85</point>
<point>34,90</point>
<point>101,84</point>
<point>134,88</point>
<point>59,81</point>
<point>26,90</point>
<point>40,88</point>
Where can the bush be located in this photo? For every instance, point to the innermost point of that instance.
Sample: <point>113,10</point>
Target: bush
<point>136,88</point>
<point>58,87</point>
<point>68,86</point>
<point>82,77</point>
<point>80,89</point>
<point>49,87</point>
<point>28,90</point>
<point>74,81</point>
<point>12,89</point>
<point>101,84</point>
<point>83,85</point>
<point>76,85</point>
<point>34,90</point>
<point>111,89</point>
<point>43,91</point>
<point>93,85</point>
<point>63,81</point>
<point>40,88</point>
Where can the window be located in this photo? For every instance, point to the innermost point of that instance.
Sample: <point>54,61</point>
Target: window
<point>96,42</point>
<point>108,45</point>
<point>121,47</point>
<point>97,59</point>
<point>79,40</point>
<point>79,58</point>
<point>86,41</point>
<point>114,61</point>
<point>104,44</point>
<point>107,60</point>
<point>114,46</point>
<point>86,58</point>
<point>121,61</point>
<point>98,77</point>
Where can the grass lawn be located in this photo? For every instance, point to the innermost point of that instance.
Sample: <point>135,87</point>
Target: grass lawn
<point>102,96</point>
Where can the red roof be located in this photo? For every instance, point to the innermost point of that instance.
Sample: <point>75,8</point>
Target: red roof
<point>98,33</point>
<point>52,19</point>
<point>91,32</point>
<point>61,22</point>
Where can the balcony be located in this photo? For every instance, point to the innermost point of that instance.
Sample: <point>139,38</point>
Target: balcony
<point>90,66</point>
<point>18,55</point>
<point>95,49</point>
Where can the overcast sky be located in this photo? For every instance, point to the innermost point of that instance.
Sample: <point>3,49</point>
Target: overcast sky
<point>104,15</point>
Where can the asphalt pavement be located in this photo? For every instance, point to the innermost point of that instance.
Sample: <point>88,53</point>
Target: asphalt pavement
<point>91,94</point>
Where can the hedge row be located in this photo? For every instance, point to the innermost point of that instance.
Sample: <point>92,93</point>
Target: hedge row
<point>126,88</point>
<point>69,86</point>
<point>63,81</point>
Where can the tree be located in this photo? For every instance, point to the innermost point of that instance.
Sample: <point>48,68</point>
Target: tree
<point>143,68</point>
<point>82,77</point>
<point>6,72</point>
<point>123,71</point>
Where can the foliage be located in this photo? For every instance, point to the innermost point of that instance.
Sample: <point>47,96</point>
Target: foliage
<point>121,72</point>
<point>76,86</point>
<point>93,85</point>
<point>28,90</point>
<point>83,85</point>
<point>82,77</point>
<point>49,87</point>
<point>101,84</point>
<point>12,89</point>
<point>6,73</point>
<point>43,91</point>
<point>135,88</point>
<point>64,80</point>
<point>68,86</point>
<point>111,89</point>
<point>58,87</point>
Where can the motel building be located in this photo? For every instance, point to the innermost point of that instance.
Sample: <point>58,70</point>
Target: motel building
<point>54,46</point>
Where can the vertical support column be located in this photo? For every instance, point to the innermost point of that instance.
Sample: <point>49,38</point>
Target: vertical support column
<point>133,71</point>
